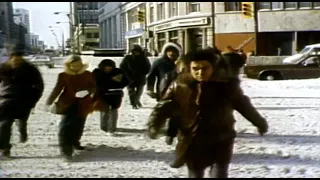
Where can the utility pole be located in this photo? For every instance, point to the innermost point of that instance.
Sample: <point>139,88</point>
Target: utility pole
<point>146,39</point>
<point>256,27</point>
<point>213,24</point>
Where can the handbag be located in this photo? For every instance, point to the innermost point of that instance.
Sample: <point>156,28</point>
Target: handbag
<point>59,108</point>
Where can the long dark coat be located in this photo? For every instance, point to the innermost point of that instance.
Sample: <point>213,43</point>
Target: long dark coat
<point>20,90</point>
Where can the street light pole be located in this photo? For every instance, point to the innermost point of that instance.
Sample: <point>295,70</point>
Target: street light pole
<point>62,35</point>
<point>213,12</point>
<point>73,25</point>
<point>256,27</point>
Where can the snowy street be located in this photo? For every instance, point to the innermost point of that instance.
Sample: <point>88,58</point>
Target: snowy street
<point>290,149</point>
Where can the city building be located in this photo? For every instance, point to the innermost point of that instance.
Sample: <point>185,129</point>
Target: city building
<point>86,11</point>
<point>83,14</point>
<point>285,25</point>
<point>22,17</point>
<point>9,30</point>
<point>186,23</point>
<point>134,30</point>
<point>41,45</point>
<point>34,40</point>
<point>111,24</point>
<point>88,37</point>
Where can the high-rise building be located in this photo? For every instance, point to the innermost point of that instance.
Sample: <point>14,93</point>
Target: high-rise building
<point>22,17</point>
<point>34,40</point>
<point>87,12</point>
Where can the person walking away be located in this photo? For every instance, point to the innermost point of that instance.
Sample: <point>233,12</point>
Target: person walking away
<point>136,67</point>
<point>110,82</point>
<point>21,87</point>
<point>163,72</point>
<point>75,87</point>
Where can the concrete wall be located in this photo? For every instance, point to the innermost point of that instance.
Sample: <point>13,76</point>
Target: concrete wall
<point>110,10</point>
<point>269,21</point>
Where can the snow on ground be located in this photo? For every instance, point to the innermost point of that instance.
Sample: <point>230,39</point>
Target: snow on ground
<point>289,150</point>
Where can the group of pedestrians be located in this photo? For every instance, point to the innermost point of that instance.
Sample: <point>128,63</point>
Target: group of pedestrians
<point>197,93</point>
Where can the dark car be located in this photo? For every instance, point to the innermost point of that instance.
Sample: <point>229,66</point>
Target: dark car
<point>43,61</point>
<point>305,68</point>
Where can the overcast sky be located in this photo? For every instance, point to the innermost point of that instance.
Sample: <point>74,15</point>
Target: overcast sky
<point>41,17</point>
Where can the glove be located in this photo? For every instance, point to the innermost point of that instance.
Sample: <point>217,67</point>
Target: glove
<point>152,94</point>
<point>82,94</point>
<point>117,78</point>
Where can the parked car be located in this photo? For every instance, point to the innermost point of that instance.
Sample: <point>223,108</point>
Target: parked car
<point>304,68</point>
<point>307,50</point>
<point>43,61</point>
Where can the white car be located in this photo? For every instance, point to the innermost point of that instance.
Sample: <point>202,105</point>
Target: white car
<point>43,61</point>
<point>307,50</point>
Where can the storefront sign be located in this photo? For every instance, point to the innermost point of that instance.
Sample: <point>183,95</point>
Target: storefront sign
<point>183,22</point>
<point>133,33</point>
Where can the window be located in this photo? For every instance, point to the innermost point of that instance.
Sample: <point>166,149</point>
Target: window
<point>161,40</point>
<point>276,5</point>
<point>89,35</point>
<point>316,4</point>
<point>290,5</point>
<point>173,36</point>
<point>194,7</point>
<point>151,14</point>
<point>173,11</point>
<point>161,11</point>
<point>305,4</point>
<point>96,35</point>
<point>264,5</point>
<point>233,6</point>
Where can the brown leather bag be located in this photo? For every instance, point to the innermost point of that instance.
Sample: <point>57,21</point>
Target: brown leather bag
<point>60,108</point>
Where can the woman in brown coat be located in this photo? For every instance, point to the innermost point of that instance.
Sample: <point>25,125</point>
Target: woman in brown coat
<point>75,87</point>
<point>205,106</point>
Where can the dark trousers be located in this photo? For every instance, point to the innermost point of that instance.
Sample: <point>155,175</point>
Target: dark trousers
<point>135,91</point>
<point>70,130</point>
<point>221,155</point>
<point>5,130</point>
<point>109,120</point>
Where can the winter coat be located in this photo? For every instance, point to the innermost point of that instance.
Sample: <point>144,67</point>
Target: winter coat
<point>20,89</point>
<point>109,91</point>
<point>162,70</point>
<point>68,84</point>
<point>136,67</point>
<point>206,109</point>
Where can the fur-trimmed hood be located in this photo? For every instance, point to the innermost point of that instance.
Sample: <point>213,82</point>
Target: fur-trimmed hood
<point>67,69</point>
<point>170,44</point>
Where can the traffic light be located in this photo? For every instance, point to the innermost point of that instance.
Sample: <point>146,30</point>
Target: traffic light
<point>141,16</point>
<point>247,9</point>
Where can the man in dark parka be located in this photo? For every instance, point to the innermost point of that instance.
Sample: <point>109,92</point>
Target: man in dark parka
<point>21,87</point>
<point>136,67</point>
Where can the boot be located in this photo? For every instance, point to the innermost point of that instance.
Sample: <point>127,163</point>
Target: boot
<point>181,149</point>
<point>67,158</point>
<point>139,104</point>
<point>6,153</point>
<point>169,140</point>
<point>23,138</point>
<point>79,147</point>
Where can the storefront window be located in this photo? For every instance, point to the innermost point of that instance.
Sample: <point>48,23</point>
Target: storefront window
<point>161,40</point>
